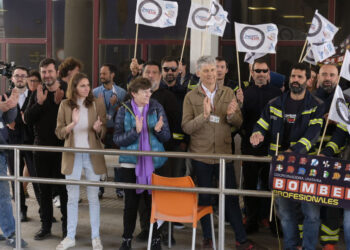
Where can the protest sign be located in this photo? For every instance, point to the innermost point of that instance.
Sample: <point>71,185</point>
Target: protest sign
<point>308,178</point>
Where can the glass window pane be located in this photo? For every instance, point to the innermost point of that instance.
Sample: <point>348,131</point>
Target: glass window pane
<point>117,20</point>
<point>28,55</point>
<point>293,18</point>
<point>157,52</point>
<point>22,19</point>
<point>287,56</point>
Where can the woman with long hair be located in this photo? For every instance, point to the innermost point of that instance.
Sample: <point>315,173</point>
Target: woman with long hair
<point>81,122</point>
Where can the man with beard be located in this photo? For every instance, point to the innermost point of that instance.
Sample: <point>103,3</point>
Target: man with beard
<point>330,224</point>
<point>113,96</point>
<point>41,113</point>
<point>20,133</point>
<point>297,117</point>
<point>256,96</point>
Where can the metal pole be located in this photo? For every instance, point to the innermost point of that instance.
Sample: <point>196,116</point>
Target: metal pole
<point>222,174</point>
<point>17,199</point>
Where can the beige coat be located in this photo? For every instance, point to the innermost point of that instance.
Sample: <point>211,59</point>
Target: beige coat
<point>64,118</point>
<point>209,137</point>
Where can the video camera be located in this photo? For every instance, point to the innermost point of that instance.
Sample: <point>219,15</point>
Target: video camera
<point>6,69</point>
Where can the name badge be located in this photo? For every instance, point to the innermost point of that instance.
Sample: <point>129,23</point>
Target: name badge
<point>109,117</point>
<point>214,118</point>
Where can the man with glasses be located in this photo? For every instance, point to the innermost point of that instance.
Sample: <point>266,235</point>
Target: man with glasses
<point>255,98</point>
<point>20,133</point>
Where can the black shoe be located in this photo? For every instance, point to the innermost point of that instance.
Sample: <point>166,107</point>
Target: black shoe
<point>42,234</point>
<point>11,241</point>
<point>100,194</point>
<point>142,236</point>
<point>126,244</point>
<point>155,245</point>
<point>24,217</point>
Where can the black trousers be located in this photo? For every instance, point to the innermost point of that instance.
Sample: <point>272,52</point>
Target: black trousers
<point>256,174</point>
<point>48,165</point>
<point>131,204</point>
<point>25,157</point>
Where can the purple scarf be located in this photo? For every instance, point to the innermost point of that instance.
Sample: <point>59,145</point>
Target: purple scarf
<point>144,166</point>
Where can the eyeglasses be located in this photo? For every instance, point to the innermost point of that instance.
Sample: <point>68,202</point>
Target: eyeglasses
<point>20,76</point>
<point>166,69</point>
<point>261,70</point>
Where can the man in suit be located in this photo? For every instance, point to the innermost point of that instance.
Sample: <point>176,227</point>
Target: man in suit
<point>20,133</point>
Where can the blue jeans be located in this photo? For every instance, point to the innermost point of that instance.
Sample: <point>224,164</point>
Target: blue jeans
<point>347,228</point>
<point>287,210</point>
<point>205,173</point>
<point>7,221</point>
<point>82,161</point>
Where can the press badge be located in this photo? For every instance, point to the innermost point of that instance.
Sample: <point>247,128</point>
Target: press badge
<point>1,125</point>
<point>109,117</point>
<point>214,118</point>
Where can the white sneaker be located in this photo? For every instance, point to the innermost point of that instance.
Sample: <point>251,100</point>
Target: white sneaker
<point>96,244</point>
<point>65,244</point>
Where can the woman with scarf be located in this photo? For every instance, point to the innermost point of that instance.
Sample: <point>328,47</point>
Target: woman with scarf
<point>141,124</point>
<point>81,122</point>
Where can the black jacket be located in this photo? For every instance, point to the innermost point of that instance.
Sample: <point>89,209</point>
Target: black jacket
<point>305,130</point>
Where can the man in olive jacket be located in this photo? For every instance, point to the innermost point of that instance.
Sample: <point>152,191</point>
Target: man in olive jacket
<point>209,112</point>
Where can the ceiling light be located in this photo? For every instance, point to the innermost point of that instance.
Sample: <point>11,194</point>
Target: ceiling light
<point>293,16</point>
<point>261,8</point>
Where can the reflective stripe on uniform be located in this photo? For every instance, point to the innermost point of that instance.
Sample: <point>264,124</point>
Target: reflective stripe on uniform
<point>316,121</point>
<point>276,111</point>
<point>329,231</point>
<point>333,146</point>
<point>306,143</point>
<point>309,111</point>
<point>329,238</point>
<point>342,126</point>
<point>263,124</point>
<point>177,136</point>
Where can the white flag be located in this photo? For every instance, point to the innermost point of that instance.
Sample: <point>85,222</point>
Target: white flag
<point>345,68</point>
<point>218,19</point>
<point>339,111</point>
<point>309,58</point>
<point>156,13</point>
<point>250,57</point>
<point>202,19</point>
<point>321,30</point>
<point>260,38</point>
<point>322,51</point>
<point>198,17</point>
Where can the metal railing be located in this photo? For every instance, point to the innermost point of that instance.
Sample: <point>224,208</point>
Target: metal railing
<point>221,190</point>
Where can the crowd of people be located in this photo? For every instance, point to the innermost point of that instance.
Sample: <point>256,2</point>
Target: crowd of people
<point>163,108</point>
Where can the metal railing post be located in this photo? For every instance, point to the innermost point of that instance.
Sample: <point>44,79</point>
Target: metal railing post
<point>17,198</point>
<point>222,179</point>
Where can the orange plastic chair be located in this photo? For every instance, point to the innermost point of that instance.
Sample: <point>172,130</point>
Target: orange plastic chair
<point>177,206</point>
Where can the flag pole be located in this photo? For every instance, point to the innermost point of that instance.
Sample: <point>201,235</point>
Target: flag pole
<point>307,52</point>
<point>273,196</point>
<point>325,127</point>
<point>238,68</point>
<point>203,40</point>
<point>302,52</point>
<point>136,37</point>
<point>183,46</point>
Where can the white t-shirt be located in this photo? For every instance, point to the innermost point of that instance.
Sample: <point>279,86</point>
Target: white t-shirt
<point>80,131</point>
